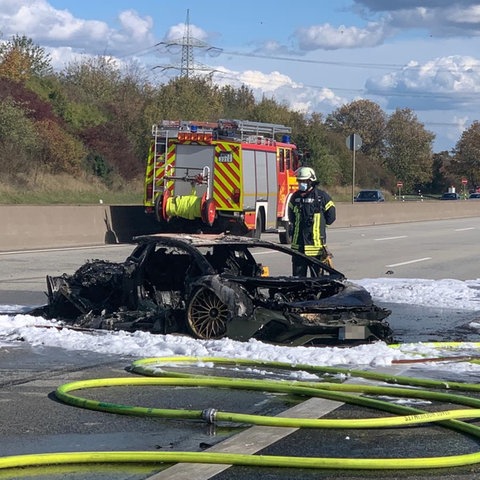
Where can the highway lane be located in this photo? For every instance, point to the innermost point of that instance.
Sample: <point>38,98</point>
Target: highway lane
<point>432,250</point>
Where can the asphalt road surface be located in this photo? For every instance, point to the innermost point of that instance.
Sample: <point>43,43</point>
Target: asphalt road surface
<point>33,422</point>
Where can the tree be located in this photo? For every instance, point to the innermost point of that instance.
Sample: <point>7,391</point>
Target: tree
<point>311,139</point>
<point>18,140</point>
<point>237,103</point>
<point>92,80</point>
<point>364,118</point>
<point>409,149</point>
<point>466,159</point>
<point>20,58</point>
<point>59,152</point>
<point>187,98</point>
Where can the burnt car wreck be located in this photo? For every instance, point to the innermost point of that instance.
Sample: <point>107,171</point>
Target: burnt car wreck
<point>214,286</point>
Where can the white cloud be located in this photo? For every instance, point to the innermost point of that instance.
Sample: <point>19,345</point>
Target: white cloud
<point>328,37</point>
<point>444,83</point>
<point>283,89</point>
<point>59,28</point>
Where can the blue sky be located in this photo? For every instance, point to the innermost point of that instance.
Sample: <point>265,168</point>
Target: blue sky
<point>314,56</point>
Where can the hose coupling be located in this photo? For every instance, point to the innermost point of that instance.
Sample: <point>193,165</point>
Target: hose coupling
<point>209,415</point>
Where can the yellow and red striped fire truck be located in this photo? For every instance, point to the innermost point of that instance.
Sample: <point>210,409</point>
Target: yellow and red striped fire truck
<point>227,176</point>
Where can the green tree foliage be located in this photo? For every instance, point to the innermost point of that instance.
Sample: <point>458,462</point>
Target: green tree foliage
<point>21,58</point>
<point>441,173</point>
<point>311,141</point>
<point>92,80</point>
<point>409,149</point>
<point>237,103</point>
<point>18,140</point>
<point>365,118</point>
<point>466,159</point>
<point>187,99</point>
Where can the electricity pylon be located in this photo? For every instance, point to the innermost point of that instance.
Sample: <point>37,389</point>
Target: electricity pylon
<point>188,44</point>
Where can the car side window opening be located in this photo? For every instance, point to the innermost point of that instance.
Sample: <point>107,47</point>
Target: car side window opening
<point>167,269</point>
<point>224,259</point>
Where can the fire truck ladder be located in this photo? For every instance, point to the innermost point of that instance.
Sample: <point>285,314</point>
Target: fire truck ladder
<point>169,129</point>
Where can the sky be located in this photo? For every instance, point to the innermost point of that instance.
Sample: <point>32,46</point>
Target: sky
<point>448,294</point>
<point>312,56</point>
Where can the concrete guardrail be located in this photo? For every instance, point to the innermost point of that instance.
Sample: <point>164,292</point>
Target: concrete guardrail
<point>34,227</point>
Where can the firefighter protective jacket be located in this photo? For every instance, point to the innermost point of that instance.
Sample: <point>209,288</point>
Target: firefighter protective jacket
<point>309,213</point>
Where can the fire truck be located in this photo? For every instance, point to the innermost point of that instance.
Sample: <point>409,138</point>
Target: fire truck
<point>231,176</point>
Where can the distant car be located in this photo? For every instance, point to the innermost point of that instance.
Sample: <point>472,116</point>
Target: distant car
<point>213,286</point>
<point>450,196</point>
<point>370,196</point>
<point>474,195</point>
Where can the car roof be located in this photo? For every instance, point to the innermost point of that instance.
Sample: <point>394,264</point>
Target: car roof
<point>192,241</point>
<point>201,239</point>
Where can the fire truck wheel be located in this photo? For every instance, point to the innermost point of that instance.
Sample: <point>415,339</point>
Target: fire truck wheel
<point>207,315</point>
<point>208,211</point>
<point>259,223</point>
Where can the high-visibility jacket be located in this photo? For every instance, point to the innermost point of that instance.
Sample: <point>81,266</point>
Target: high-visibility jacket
<point>309,213</point>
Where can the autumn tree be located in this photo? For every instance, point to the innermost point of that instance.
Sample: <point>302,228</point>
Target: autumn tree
<point>21,58</point>
<point>408,149</point>
<point>466,155</point>
<point>59,151</point>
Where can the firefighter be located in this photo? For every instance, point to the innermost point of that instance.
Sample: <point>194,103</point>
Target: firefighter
<point>310,210</point>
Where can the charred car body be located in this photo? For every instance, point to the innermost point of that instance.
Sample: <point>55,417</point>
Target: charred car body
<point>214,286</point>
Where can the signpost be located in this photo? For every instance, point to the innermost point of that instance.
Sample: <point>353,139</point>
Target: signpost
<point>354,142</point>
<point>464,186</point>
<point>399,186</point>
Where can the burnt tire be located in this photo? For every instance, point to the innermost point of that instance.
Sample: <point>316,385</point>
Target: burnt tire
<point>207,315</point>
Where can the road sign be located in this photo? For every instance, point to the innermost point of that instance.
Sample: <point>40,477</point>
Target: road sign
<point>464,181</point>
<point>354,142</point>
<point>399,184</point>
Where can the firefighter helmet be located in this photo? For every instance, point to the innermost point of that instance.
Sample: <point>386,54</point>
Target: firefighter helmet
<point>306,173</point>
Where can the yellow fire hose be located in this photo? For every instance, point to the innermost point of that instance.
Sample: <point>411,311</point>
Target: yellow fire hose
<point>184,206</point>
<point>155,374</point>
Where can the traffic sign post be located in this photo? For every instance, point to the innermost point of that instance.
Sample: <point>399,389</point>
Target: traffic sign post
<point>399,186</point>
<point>354,142</point>
<point>464,186</point>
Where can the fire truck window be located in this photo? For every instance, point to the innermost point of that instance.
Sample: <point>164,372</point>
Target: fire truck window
<point>288,158</point>
<point>281,160</point>
<point>296,161</point>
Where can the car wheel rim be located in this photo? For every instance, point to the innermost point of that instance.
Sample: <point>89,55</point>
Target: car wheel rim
<point>207,315</point>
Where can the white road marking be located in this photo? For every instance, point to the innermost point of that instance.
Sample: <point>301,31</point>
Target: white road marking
<point>409,261</point>
<point>389,238</point>
<point>464,229</point>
